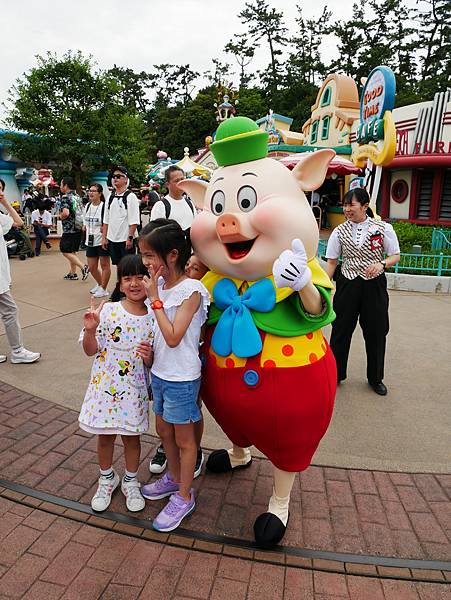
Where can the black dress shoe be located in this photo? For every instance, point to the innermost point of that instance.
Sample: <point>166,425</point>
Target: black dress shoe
<point>219,462</point>
<point>268,530</point>
<point>379,388</point>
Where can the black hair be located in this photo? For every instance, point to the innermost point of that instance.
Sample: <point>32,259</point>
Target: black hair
<point>3,184</point>
<point>165,235</point>
<point>171,169</point>
<point>69,181</point>
<point>99,188</point>
<point>130,264</point>
<point>359,194</point>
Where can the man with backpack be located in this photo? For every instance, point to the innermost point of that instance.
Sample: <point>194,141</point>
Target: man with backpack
<point>121,217</point>
<point>71,215</point>
<point>176,204</point>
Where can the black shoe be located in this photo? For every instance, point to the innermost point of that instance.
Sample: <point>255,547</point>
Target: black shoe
<point>268,530</point>
<point>199,463</point>
<point>219,462</point>
<point>379,388</point>
<point>48,245</point>
<point>158,463</point>
<point>84,273</point>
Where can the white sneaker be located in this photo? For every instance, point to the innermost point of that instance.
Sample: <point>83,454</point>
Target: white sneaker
<point>3,358</point>
<point>133,498</point>
<point>101,293</point>
<point>24,356</point>
<point>94,289</point>
<point>102,498</point>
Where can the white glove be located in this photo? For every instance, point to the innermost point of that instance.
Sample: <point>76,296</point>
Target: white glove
<point>290,269</point>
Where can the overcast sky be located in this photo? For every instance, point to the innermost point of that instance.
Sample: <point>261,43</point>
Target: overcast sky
<point>135,33</point>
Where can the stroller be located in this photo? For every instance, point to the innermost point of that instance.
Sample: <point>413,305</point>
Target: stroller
<point>18,243</point>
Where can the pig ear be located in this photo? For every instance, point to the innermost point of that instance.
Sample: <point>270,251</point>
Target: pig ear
<point>196,190</point>
<point>311,171</point>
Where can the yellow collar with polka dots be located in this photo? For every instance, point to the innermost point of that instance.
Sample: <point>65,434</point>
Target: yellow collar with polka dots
<point>319,277</point>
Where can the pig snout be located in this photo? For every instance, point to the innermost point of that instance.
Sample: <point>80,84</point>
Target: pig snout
<point>232,228</point>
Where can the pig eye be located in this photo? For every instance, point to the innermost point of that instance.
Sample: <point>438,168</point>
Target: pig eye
<point>218,202</point>
<point>247,198</point>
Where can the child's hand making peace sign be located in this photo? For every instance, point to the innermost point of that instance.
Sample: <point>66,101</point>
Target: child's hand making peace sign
<point>91,318</point>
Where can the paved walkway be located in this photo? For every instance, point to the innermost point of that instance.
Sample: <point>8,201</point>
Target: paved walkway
<point>353,534</point>
<point>408,430</point>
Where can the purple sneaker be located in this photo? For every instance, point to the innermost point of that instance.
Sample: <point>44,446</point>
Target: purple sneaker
<point>160,488</point>
<point>174,512</point>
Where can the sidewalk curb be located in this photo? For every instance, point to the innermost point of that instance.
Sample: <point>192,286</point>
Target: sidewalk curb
<point>379,567</point>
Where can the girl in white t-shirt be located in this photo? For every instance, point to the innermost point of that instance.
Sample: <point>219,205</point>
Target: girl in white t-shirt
<point>180,307</point>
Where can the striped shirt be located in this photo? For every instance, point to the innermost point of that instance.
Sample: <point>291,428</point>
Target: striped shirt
<point>361,244</point>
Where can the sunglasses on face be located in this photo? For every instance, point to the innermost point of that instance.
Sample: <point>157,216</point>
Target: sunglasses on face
<point>117,176</point>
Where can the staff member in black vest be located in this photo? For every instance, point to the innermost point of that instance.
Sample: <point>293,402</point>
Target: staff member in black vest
<point>361,292</point>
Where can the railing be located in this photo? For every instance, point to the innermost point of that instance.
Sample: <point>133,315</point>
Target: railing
<point>427,264</point>
<point>29,225</point>
<point>439,240</point>
<point>430,264</point>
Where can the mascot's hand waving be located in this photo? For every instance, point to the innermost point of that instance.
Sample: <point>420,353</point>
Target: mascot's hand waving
<point>290,269</point>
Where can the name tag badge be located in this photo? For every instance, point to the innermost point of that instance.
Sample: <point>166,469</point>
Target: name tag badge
<point>376,241</point>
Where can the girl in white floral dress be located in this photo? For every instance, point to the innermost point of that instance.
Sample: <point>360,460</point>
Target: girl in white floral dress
<point>120,336</point>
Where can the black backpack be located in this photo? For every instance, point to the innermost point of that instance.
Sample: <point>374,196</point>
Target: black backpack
<point>167,205</point>
<point>113,195</point>
<point>101,214</point>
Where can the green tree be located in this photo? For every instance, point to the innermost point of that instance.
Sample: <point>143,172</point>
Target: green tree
<point>133,87</point>
<point>244,53</point>
<point>221,74</point>
<point>74,118</point>
<point>266,23</point>
<point>304,64</point>
<point>434,39</point>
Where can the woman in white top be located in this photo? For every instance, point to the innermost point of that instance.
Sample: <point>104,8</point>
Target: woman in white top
<point>93,219</point>
<point>180,307</point>
<point>8,308</point>
<point>368,247</point>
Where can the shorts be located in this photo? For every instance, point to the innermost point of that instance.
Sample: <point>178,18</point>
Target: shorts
<point>70,242</point>
<point>96,251</point>
<point>117,250</point>
<point>176,401</point>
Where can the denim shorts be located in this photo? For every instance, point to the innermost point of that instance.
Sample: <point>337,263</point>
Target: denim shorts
<point>176,401</point>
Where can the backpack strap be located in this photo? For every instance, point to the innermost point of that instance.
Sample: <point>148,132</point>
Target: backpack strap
<point>167,206</point>
<point>190,204</point>
<point>123,198</point>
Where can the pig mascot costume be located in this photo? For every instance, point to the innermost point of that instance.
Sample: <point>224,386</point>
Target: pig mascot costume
<point>270,376</point>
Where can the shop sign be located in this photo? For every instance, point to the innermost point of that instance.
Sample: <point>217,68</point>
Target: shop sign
<point>376,135</point>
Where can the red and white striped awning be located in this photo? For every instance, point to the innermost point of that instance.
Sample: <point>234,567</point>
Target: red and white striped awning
<point>338,165</point>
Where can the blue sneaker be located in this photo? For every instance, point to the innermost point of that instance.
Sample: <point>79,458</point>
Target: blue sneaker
<point>174,512</point>
<point>160,489</point>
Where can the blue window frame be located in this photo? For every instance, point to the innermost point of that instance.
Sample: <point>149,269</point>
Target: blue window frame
<point>325,128</point>
<point>314,134</point>
<point>326,97</point>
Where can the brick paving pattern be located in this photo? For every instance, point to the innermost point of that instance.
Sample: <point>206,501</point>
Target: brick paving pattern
<point>362,512</point>
<point>46,556</point>
<point>51,552</point>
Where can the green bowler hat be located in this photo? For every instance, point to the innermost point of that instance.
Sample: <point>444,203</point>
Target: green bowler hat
<point>239,140</point>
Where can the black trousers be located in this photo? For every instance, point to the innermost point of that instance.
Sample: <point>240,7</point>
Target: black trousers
<point>367,302</point>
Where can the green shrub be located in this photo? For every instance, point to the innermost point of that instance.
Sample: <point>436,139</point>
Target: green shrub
<point>410,234</point>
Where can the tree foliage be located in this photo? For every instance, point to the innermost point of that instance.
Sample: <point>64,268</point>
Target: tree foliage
<point>76,117</point>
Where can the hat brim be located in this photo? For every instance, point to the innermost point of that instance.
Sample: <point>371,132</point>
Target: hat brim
<point>241,148</point>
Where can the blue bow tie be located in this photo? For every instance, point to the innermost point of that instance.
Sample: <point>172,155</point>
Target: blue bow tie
<point>236,331</point>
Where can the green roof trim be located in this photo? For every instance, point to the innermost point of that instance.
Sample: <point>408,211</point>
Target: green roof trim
<point>287,148</point>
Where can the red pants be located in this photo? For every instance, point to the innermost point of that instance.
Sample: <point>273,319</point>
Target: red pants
<point>284,412</point>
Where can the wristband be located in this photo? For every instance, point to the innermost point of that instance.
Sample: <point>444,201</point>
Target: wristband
<point>156,305</point>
